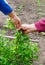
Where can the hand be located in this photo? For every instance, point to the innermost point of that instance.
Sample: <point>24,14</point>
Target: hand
<point>17,23</point>
<point>15,19</point>
<point>28,28</point>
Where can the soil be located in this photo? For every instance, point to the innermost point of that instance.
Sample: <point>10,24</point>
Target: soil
<point>30,13</point>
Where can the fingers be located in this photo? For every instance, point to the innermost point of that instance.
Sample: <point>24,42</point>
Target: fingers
<point>17,25</point>
<point>29,28</point>
<point>17,22</point>
<point>27,31</point>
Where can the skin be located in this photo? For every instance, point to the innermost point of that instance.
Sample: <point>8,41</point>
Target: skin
<point>16,20</point>
<point>27,28</point>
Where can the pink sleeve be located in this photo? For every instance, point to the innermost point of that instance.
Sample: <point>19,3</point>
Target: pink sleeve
<point>40,25</point>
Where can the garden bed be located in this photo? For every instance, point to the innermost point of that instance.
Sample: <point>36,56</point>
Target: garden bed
<point>30,13</point>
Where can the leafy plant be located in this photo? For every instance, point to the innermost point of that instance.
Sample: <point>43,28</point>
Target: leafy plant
<point>9,24</point>
<point>18,51</point>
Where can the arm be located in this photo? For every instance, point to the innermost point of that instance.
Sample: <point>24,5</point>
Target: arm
<point>7,10</point>
<point>15,19</point>
<point>34,27</point>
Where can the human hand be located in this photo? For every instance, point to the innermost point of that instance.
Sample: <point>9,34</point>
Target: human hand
<point>28,28</point>
<point>15,19</point>
<point>17,23</point>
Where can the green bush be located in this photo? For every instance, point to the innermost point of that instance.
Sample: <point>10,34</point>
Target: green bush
<point>18,51</point>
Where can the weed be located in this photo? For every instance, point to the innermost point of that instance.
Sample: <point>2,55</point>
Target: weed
<point>18,51</point>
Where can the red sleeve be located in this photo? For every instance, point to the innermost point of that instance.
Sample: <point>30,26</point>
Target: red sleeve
<point>40,25</point>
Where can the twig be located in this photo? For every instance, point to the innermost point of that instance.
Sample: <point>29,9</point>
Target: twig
<point>35,40</point>
<point>12,37</point>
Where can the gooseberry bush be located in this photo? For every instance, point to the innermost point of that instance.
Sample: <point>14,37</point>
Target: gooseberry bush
<point>17,51</point>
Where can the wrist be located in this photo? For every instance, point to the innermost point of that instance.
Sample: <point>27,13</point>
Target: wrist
<point>32,27</point>
<point>13,16</point>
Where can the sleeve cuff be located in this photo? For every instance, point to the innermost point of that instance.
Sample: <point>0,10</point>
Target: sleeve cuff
<point>40,25</point>
<point>5,7</point>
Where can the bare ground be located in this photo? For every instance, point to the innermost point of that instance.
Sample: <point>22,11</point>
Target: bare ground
<point>30,13</point>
